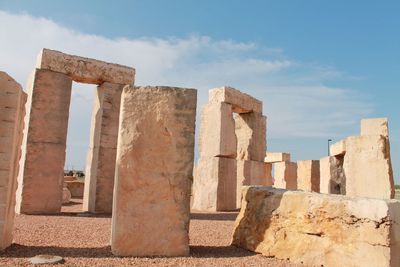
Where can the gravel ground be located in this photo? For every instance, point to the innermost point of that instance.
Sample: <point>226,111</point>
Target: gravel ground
<point>83,240</point>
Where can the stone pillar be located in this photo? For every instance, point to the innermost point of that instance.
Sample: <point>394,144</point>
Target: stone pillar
<point>285,175</point>
<point>214,186</point>
<point>153,176</point>
<point>332,176</point>
<point>308,175</point>
<point>12,112</point>
<point>42,166</point>
<point>100,164</point>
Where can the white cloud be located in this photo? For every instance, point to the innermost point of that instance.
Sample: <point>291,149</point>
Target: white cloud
<point>296,97</point>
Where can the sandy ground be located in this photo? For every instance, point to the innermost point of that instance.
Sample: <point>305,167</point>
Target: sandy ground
<point>83,240</point>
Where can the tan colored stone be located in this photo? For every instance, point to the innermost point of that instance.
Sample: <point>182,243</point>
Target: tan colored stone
<point>377,126</point>
<point>285,175</point>
<point>308,175</point>
<point>42,165</point>
<point>12,112</point>
<point>367,167</point>
<point>338,148</point>
<point>241,102</point>
<point>153,175</point>
<point>214,184</point>
<point>319,230</point>
<point>66,196</point>
<point>250,129</point>
<point>102,149</point>
<point>85,70</point>
<point>332,176</point>
<point>217,133</point>
<point>251,172</point>
<point>273,157</point>
<point>76,188</point>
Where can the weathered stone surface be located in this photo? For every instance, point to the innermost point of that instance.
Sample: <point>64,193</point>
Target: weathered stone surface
<point>367,167</point>
<point>332,176</point>
<point>12,112</point>
<point>250,172</point>
<point>338,148</point>
<point>43,152</point>
<point>66,195</point>
<point>217,133</point>
<point>250,129</point>
<point>241,102</point>
<point>153,172</point>
<point>100,166</point>
<point>285,175</point>
<point>76,188</point>
<point>377,126</point>
<point>85,70</point>
<point>308,175</point>
<point>214,184</point>
<point>317,229</point>
<point>272,157</point>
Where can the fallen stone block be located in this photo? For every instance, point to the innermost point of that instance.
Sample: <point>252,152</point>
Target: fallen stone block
<point>317,229</point>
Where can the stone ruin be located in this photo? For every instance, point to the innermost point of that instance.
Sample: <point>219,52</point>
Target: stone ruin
<point>231,150</point>
<point>140,167</point>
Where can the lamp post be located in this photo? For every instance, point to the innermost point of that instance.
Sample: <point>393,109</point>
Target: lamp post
<point>329,152</point>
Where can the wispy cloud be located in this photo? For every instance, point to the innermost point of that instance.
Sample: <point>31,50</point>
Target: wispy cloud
<point>296,95</point>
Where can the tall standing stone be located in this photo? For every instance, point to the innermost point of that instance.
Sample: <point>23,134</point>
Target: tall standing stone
<point>308,175</point>
<point>332,176</point>
<point>153,172</point>
<point>42,169</point>
<point>12,112</point>
<point>285,175</point>
<point>99,179</point>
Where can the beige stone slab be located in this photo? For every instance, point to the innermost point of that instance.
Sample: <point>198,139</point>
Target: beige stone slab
<point>308,175</point>
<point>338,148</point>
<point>250,129</point>
<point>217,133</point>
<point>44,145</point>
<point>241,102</point>
<point>273,157</point>
<point>154,172</point>
<point>85,70</point>
<point>375,126</point>
<point>367,167</point>
<point>102,152</point>
<point>214,184</point>
<point>318,229</point>
<point>285,175</point>
<point>12,110</point>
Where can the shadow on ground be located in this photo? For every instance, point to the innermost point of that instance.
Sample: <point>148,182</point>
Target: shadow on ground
<point>220,216</point>
<point>21,251</point>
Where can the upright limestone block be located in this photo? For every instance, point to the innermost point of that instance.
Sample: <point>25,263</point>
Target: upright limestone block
<point>40,181</point>
<point>285,175</point>
<point>12,112</point>
<point>250,129</point>
<point>214,185</point>
<point>272,157</point>
<point>338,148</point>
<point>153,176</point>
<point>332,176</point>
<point>241,102</point>
<point>250,172</point>
<point>376,126</point>
<point>102,153</point>
<point>318,229</point>
<point>217,133</point>
<point>368,167</point>
<point>308,175</point>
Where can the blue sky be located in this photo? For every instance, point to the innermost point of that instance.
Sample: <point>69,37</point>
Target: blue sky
<point>319,66</point>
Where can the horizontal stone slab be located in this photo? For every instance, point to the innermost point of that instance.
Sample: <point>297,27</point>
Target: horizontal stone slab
<point>241,102</point>
<point>318,229</point>
<point>85,70</point>
<point>272,157</point>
